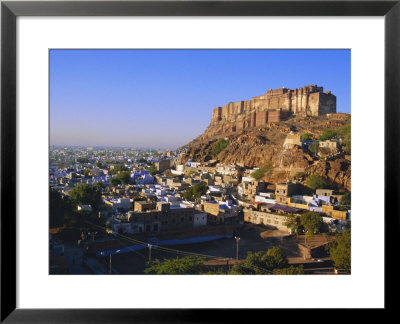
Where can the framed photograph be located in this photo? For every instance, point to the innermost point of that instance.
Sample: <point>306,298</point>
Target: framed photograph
<point>175,155</point>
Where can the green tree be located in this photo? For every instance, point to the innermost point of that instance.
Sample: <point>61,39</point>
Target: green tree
<point>293,223</point>
<point>314,147</point>
<point>142,161</point>
<point>261,262</point>
<point>114,182</point>
<point>276,258</point>
<point>118,168</point>
<point>345,134</point>
<point>186,265</point>
<point>328,134</point>
<point>196,191</point>
<point>264,171</point>
<point>82,160</point>
<point>124,177</point>
<point>312,223</point>
<point>86,195</point>
<point>199,189</point>
<point>60,209</point>
<point>188,194</point>
<point>345,202</point>
<point>86,173</point>
<point>219,146</point>
<point>340,250</point>
<point>292,270</point>
<point>306,137</point>
<point>152,169</point>
<point>253,264</point>
<point>315,181</point>
<point>99,185</point>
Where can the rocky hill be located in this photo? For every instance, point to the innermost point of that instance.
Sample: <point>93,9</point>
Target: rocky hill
<point>256,146</point>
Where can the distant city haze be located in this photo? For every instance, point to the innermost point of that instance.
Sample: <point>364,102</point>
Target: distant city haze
<point>164,98</point>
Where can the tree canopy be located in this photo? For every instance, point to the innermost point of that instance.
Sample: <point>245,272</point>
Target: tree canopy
<point>306,137</point>
<point>292,270</point>
<point>60,209</point>
<point>219,146</point>
<point>85,194</point>
<point>315,181</point>
<point>261,262</point>
<point>152,169</point>
<point>86,173</point>
<point>265,170</point>
<point>314,147</point>
<point>293,223</point>
<point>345,202</point>
<point>99,185</point>
<point>180,266</point>
<point>124,177</point>
<point>312,223</point>
<point>196,191</point>
<point>114,181</point>
<point>118,168</point>
<point>328,134</point>
<point>340,250</point>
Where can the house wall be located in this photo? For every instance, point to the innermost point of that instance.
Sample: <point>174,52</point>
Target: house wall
<point>257,217</point>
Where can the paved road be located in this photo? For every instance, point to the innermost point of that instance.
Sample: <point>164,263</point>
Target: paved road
<point>74,256</point>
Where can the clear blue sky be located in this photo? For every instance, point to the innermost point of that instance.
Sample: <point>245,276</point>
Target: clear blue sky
<point>164,98</point>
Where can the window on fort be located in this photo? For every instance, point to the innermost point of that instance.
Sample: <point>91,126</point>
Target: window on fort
<point>182,219</point>
<point>190,218</point>
<point>173,220</point>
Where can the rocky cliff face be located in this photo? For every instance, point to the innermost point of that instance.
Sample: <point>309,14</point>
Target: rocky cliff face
<point>256,146</point>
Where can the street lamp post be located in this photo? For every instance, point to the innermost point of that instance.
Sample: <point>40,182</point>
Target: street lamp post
<point>237,247</point>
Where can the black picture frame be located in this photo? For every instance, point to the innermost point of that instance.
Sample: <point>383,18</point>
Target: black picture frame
<point>10,10</point>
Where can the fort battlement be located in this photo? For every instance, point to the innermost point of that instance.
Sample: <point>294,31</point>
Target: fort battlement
<point>273,106</point>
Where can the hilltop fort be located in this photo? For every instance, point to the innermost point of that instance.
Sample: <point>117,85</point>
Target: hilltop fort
<point>273,106</point>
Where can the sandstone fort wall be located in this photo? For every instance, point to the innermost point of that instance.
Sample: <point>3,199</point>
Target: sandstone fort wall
<point>273,106</point>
